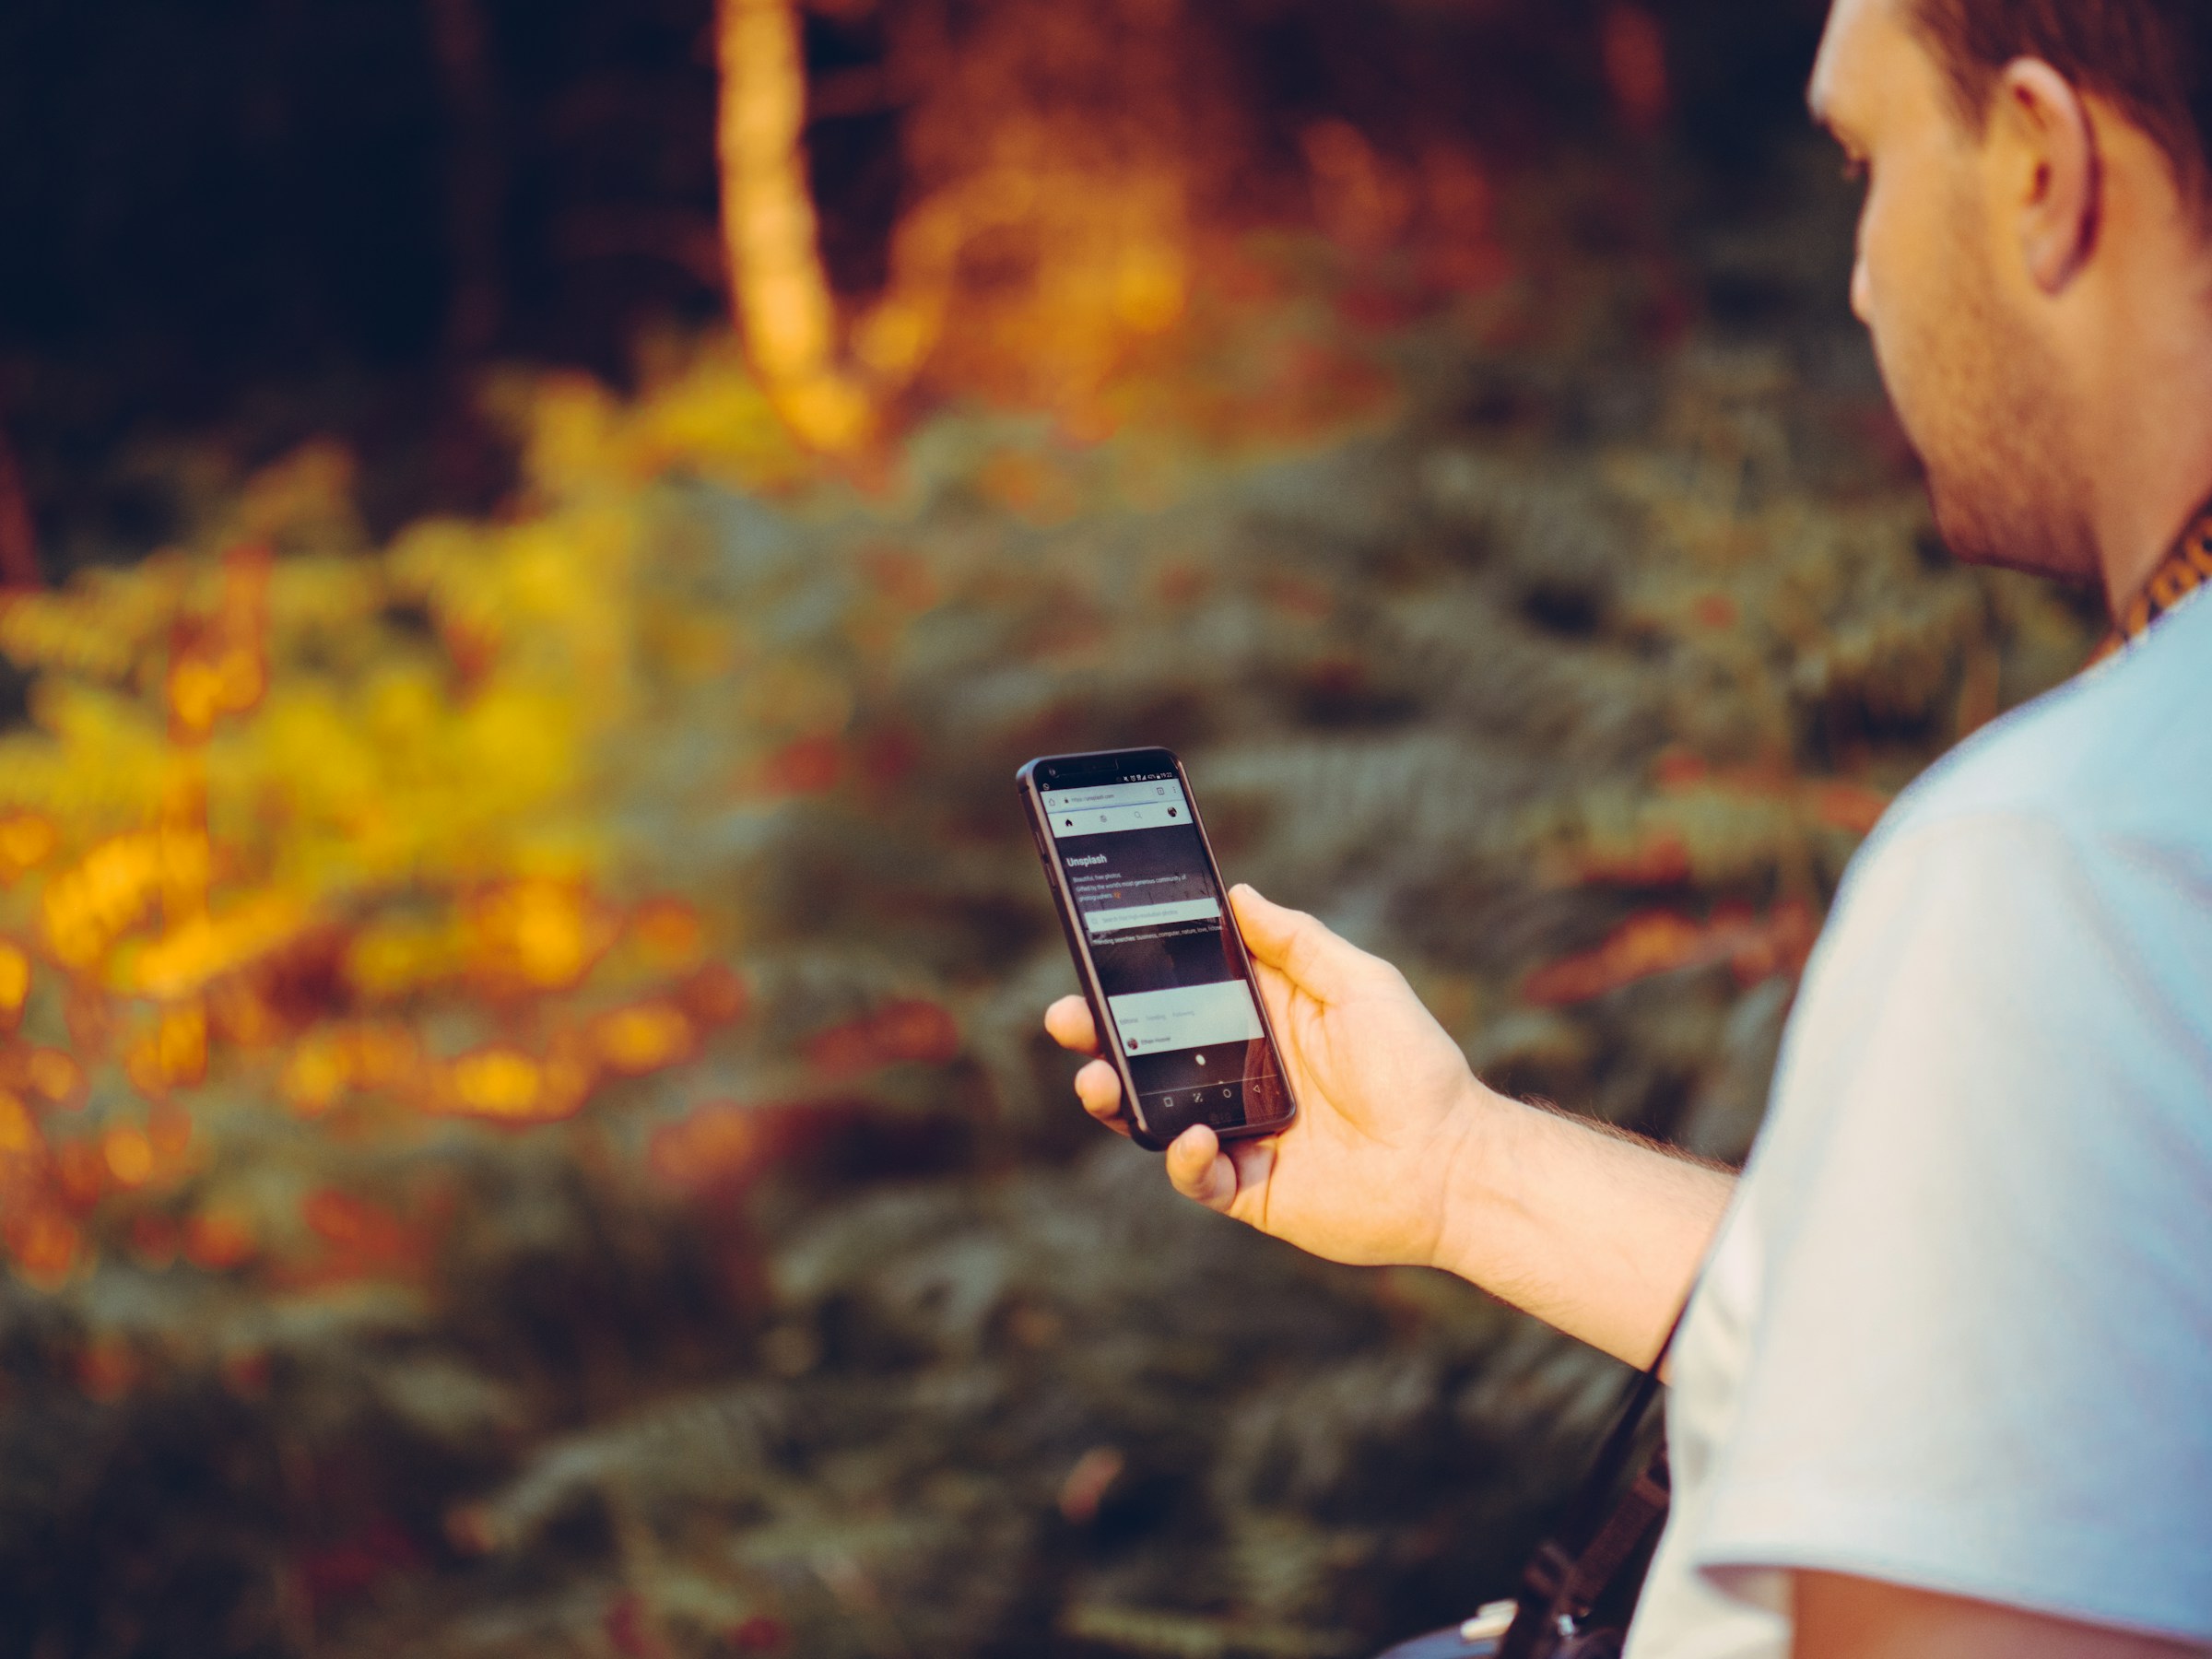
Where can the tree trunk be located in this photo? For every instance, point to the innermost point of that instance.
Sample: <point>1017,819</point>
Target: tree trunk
<point>779,288</point>
<point>476,175</point>
<point>18,530</point>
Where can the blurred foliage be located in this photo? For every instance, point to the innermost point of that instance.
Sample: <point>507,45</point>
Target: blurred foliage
<point>524,1130</point>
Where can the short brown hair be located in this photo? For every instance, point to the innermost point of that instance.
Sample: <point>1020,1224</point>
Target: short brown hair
<point>2148,56</point>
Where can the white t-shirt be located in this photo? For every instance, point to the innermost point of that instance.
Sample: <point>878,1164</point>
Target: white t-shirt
<point>1957,1331</point>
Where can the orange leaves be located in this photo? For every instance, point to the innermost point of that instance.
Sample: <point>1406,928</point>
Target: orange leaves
<point>107,1369</point>
<point>715,1147</point>
<point>1029,485</point>
<point>129,1155</point>
<point>1656,942</point>
<point>362,1056</point>
<point>505,1085</point>
<point>87,907</point>
<point>909,1028</point>
<point>508,1082</point>
<point>643,1037</point>
<point>19,1137</point>
<point>1842,806</point>
<point>15,984</point>
<point>221,1239</point>
<point>1634,52</point>
<point>201,689</point>
<point>535,935</point>
<point>1718,825</point>
<point>44,1245</point>
<point>1661,859</point>
<point>27,840</point>
<point>509,940</point>
<point>357,1565</point>
<point>183,960</point>
<point>668,933</point>
<point>808,766</point>
<point>360,1240</point>
<point>1834,803</point>
<point>48,1073</point>
<point>174,1053</point>
<point>219,665</point>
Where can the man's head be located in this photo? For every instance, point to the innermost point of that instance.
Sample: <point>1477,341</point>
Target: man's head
<point>2038,201</point>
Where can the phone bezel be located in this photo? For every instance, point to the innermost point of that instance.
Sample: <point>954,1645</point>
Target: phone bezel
<point>1030,782</point>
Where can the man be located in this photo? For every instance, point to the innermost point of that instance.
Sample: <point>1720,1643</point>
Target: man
<point>1946,1386</point>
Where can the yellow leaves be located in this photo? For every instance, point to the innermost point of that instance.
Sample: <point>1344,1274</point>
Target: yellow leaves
<point>395,958</point>
<point>306,497</point>
<point>707,415</point>
<point>398,782</point>
<point>267,795</point>
<point>102,627</point>
<point>186,958</point>
<point>714,420</point>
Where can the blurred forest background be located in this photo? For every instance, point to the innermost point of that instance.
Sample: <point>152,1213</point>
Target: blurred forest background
<point>535,537</point>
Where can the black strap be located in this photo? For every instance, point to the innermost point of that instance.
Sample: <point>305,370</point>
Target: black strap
<point>1571,1569</point>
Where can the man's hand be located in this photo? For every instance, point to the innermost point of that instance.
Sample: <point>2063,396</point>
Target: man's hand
<point>1387,1107</point>
<point>1399,1156</point>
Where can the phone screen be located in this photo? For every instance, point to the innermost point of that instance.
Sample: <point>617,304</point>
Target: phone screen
<point>1142,887</point>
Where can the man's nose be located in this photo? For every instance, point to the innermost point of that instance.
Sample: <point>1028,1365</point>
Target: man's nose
<point>1862,292</point>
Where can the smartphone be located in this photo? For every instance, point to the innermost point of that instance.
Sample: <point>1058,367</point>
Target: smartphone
<point>1147,916</point>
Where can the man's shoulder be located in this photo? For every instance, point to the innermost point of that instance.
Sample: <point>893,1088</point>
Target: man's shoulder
<point>2123,754</point>
<point>2076,829</point>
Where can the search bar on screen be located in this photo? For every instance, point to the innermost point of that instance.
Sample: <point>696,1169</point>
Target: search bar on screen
<point>1152,915</point>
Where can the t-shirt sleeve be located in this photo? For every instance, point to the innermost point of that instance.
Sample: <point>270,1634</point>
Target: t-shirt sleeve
<point>1984,1365</point>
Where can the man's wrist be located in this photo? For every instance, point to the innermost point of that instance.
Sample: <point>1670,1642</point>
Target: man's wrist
<point>1595,1232</point>
<point>1470,1201</point>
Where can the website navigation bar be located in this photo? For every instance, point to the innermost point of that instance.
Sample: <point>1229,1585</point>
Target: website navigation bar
<point>1112,808</point>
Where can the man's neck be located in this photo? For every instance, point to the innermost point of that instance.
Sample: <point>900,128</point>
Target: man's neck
<point>2145,439</point>
<point>2129,565</point>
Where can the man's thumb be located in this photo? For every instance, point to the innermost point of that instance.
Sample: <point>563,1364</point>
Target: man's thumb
<point>1294,943</point>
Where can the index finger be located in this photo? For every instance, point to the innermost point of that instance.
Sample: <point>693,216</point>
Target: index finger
<point>1069,1023</point>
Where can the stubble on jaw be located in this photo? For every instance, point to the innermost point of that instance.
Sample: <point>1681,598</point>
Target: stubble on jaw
<point>1985,406</point>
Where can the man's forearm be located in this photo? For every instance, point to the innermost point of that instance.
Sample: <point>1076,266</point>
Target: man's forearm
<point>1597,1233</point>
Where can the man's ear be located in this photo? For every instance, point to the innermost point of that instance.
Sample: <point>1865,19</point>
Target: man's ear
<point>2051,169</point>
